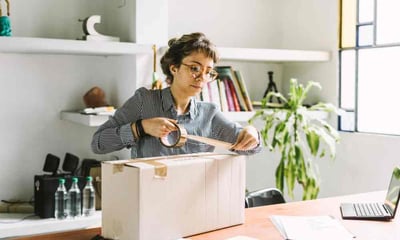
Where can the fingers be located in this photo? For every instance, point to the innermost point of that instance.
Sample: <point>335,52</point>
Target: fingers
<point>170,125</point>
<point>159,127</point>
<point>247,139</point>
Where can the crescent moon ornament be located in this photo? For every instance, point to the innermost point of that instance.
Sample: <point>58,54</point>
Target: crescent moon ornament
<point>91,33</point>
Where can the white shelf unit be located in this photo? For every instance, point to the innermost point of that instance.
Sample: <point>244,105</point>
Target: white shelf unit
<point>269,55</point>
<point>272,55</point>
<point>12,226</point>
<point>71,47</point>
<point>239,116</point>
<point>97,120</point>
<point>28,45</point>
<point>87,120</point>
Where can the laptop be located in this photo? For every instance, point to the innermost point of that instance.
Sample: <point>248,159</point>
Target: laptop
<point>376,211</point>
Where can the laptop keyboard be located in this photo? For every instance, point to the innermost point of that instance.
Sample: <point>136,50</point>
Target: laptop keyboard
<point>368,209</point>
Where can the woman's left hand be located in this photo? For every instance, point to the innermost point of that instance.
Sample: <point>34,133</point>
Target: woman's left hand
<point>247,139</point>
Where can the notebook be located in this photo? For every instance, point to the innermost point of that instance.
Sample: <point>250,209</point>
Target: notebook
<point>376,211</point>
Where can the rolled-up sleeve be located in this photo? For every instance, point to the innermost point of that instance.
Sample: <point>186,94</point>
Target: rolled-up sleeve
<point>226,130</point>
<point>116,133</point>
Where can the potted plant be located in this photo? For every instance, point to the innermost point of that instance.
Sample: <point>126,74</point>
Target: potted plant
<point>300,136</point>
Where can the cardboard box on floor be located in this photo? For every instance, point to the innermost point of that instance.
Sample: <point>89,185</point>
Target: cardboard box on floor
<point>172,197</point>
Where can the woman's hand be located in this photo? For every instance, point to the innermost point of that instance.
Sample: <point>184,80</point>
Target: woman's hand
<point>158,127</point>
<point>247,139</point>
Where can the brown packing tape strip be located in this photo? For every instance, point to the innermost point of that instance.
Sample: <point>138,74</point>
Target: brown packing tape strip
<point>160,169</point>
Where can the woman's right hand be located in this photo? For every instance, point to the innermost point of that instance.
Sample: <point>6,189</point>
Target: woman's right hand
<point>158,127</point>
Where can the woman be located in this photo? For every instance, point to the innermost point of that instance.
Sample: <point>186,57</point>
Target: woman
<point>152,114</point>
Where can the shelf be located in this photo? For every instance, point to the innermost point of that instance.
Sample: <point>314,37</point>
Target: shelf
<point>272,55</point>
<point>238,116</point>
<point>75,47</point>
<point>97,120</point>
<point>12,226</point>
<point>87,120</point>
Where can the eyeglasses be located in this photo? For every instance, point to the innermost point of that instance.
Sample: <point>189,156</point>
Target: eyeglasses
<point>198,70</point>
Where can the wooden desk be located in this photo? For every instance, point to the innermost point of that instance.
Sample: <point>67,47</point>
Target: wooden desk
<point>258,225</point>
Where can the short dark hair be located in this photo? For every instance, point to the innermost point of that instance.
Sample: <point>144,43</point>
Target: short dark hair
<point>179,48</point>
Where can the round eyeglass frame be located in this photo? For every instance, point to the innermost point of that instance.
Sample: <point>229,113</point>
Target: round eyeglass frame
<point>197,75</point>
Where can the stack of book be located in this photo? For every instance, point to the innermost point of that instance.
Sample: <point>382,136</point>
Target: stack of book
<point>229,91</point>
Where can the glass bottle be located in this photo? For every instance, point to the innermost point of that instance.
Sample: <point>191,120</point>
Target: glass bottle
<point>74,197</point>
<point>88,206</point>
<point>61,199</point>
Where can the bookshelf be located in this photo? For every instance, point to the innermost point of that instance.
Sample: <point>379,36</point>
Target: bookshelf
<point>71,47</point>
<point>238,54</point>
<point>97,120</point>
<point>27,45</point>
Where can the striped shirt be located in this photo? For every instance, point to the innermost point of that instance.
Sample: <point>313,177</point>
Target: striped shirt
<point>202,119</point>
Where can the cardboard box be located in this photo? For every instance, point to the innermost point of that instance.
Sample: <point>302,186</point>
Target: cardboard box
<point>172,197</point>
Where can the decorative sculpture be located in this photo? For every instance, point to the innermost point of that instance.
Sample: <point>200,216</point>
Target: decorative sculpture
<point>90,31</point>
<point>5,25</point>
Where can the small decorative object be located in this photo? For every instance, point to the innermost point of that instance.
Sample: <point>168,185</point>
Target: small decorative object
<point>90,31</point>
<point>271,88</point>
<point>157,83</point>
<point>300,136</point>
<point>5,25</point>
<point>95,97</point>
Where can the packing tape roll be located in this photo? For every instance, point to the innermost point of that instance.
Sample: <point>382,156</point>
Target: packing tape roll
<point>179,137</point>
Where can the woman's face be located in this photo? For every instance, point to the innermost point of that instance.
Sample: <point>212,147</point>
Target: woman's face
<point>192,75</point>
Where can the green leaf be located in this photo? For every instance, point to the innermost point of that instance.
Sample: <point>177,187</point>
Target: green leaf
<point>313,142</point>
<point>291,171</point>
<point>301,169</point>
<point>280,175</point>
<point>396,173</point>
<point>330,141</point>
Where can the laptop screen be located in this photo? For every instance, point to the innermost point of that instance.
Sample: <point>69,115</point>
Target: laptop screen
<point>393,193</point>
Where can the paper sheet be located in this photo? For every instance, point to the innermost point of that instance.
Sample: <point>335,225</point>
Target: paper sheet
<point>310,227</point>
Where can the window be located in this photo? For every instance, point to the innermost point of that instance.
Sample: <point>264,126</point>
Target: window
<point>369,54</point>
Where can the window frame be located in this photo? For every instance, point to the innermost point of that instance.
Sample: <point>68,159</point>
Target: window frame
<point>341,121</point>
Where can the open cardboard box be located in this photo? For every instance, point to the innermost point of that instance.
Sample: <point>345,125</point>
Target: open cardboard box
<point>173,196</point>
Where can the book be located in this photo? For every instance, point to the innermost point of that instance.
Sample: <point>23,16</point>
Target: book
<point>228,72</point>
<point>222,96</point>
<point>244,91</point>
<point>236,105</point>
<point>214,93</point>
<point>231,107</point>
